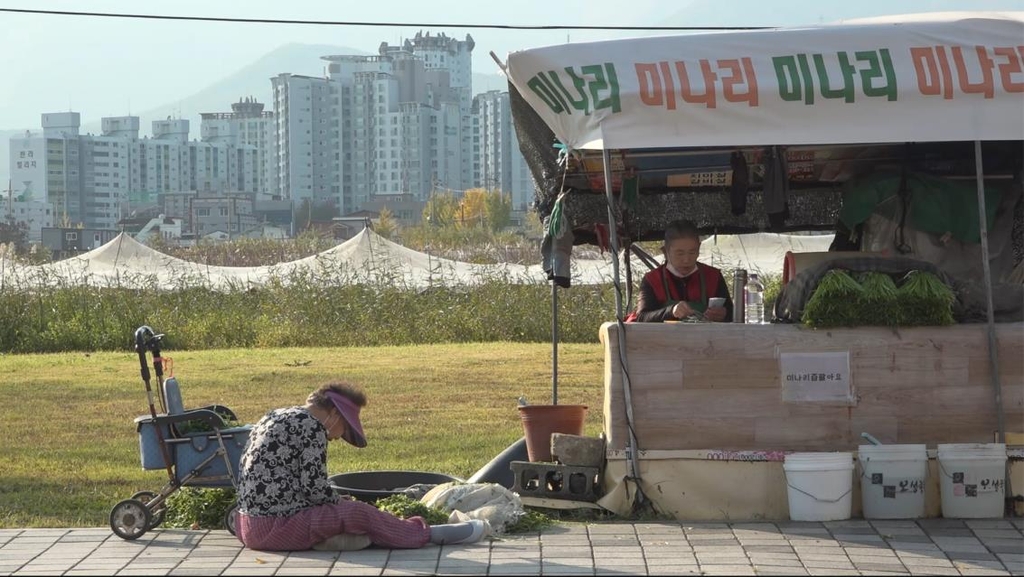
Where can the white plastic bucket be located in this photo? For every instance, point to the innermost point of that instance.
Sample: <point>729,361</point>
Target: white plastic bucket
<point>972,479</point>
<point>892,480</point>
<point>820,485</point>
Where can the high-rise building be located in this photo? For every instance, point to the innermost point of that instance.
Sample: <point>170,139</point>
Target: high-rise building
<point>397,122</point>
<point>443,53</point>
<point>170,162</point>
<point>497,161</point>
<point>305,138</point>
<point>67,178</point>
<point>246,124</point>
<point>25,199</point>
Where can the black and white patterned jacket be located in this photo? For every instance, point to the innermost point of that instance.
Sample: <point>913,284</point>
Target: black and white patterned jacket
<point>284,467</point>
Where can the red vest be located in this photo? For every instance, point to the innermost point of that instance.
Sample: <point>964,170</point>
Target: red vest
<point>660,280</point>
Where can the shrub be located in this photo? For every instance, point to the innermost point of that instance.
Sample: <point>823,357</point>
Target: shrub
<point>334,307</point>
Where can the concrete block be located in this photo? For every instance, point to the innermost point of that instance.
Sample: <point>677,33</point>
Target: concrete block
<point>577,451</point>
<point>551,480</point>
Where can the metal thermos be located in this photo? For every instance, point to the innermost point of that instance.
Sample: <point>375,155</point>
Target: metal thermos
<point>739,297</point>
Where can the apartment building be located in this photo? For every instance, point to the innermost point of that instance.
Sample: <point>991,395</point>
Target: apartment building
<point>497,161</point>
<point>64,178</point>
<point>247,124</point>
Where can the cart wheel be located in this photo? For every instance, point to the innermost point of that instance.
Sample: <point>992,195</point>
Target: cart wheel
<point>158,516</point>
<point>231,520</point>
<point>130,519</point>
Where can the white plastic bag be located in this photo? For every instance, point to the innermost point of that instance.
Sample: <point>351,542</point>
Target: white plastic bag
<point>487,501</point>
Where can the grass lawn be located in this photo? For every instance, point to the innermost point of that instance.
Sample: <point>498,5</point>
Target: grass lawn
<point>69,450</point>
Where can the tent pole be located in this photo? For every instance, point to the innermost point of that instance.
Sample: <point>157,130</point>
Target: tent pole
<point>993,346</point>
<point>613,231</point>
<point>632,465</point>
<point>993,350</point>
<point>554,343</point>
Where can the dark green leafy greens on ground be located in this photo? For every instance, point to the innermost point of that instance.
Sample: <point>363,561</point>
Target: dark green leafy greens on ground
<point>403,506</point>
<point>533,520</point>
<point>195,508</point>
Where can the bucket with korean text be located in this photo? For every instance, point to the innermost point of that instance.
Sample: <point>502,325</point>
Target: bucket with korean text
<point>972,479</point>
<point>892,480</point>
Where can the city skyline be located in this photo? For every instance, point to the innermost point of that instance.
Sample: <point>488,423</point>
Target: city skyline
<point>392,176</point>
<point>399,123</point>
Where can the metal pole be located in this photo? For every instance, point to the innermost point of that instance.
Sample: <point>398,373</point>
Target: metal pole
<point>613,236</point>
<point>554,343</point>
<point>993,349</point>
<point>632,464</point>
<point>626,262</point>
<point>993,345</point>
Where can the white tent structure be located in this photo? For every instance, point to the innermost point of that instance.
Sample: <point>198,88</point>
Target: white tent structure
<point>366,257</point>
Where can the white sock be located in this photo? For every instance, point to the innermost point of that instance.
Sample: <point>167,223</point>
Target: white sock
<point>458,533</point>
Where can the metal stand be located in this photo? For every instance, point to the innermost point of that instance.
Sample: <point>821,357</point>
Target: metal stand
<point>554,343</point>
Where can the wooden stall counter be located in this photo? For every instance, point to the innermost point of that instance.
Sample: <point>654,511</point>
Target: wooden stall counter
<point>710,400</point>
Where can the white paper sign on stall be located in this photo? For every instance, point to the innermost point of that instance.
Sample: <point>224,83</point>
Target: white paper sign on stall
<point>816,378</point>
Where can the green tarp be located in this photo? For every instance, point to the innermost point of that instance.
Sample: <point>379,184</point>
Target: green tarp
<point>936,205</point>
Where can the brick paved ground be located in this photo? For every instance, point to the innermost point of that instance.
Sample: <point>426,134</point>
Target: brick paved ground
<point>856,547</point>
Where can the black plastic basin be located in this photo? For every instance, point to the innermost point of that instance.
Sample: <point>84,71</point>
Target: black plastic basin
<point>369,486</point>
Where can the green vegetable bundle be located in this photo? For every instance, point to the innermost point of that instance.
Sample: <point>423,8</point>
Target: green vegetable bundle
<point>198,508</point>
<point>402,506</point>
<point>877,302</point>
<point>199,426</point>
<point>924,300</point>
<point>835,302</point>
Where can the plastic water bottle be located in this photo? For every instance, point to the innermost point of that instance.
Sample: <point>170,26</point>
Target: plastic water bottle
<point>753,300</point>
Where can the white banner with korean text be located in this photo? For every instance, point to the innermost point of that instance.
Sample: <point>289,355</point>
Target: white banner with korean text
<point>928,77</point>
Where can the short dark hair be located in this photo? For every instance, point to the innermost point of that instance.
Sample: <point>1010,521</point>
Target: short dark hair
<point>320,399</point>
<point>678,229</point>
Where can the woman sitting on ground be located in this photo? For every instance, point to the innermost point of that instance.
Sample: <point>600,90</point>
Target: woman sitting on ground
<point>286,502</point>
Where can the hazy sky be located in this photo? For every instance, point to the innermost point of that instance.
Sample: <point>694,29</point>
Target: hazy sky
<point>100,66</point>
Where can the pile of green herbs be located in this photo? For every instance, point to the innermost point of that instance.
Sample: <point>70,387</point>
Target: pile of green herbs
<point>835,303</point>
<point>921,299</point>
<point>877,303</point>
<point>924,300</point>
<point>194,508</point>
<point>227,421</point>
<point>404,507</point>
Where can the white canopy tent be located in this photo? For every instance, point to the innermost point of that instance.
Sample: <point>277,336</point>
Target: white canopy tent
<point>941,77</point>
<point>125,262</point>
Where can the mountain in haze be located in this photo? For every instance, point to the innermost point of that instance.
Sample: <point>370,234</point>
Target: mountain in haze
<point>252,80</point>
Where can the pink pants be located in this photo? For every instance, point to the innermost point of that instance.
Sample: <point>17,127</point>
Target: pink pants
<point>311,526</point>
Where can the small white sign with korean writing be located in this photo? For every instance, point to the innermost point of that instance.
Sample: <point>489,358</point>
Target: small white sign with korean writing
<point>816,378</point>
